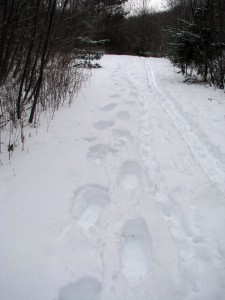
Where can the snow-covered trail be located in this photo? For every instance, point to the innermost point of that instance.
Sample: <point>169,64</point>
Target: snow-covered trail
<point>123,198</point>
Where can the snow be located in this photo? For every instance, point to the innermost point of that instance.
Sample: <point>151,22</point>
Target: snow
<point>122,195</point>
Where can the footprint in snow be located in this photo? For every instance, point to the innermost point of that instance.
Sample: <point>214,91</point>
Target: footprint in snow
<point>87,203</point>
<point>133,94</point>
<point>115,96</point>
<point>181,232</point>
<point>101,125</point>
<point>163,205</point>
<point>123,115</point>
<point>130,102</point>
<point>90,139</point>
<point>136,249</point>
<point>87,288</point>
<point>122,132</point>
<point>130,176</point>
<point>109,107</point>
<point>100,151</point>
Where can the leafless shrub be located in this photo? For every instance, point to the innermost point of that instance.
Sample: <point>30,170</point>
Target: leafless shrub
<point>37,70</point>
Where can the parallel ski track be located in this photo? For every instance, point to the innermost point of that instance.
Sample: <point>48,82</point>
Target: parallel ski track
<point>208,163</point>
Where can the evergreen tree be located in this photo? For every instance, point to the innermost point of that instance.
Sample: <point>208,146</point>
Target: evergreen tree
<point>197,47</point>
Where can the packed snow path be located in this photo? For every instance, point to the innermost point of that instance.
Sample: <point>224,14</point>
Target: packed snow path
<point>123,198</point>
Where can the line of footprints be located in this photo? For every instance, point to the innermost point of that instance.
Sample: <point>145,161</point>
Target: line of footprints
<point>88,202</point>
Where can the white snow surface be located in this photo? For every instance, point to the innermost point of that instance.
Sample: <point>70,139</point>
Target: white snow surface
<point>124,197</point>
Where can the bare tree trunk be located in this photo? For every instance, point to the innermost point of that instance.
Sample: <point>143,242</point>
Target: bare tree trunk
<point>27,62</point>
<point>51,9</point>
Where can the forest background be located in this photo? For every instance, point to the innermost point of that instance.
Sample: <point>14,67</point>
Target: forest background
<point>48,47</point>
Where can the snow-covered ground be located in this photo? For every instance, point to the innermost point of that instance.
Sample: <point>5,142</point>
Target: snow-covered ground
<point>124,197</point>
